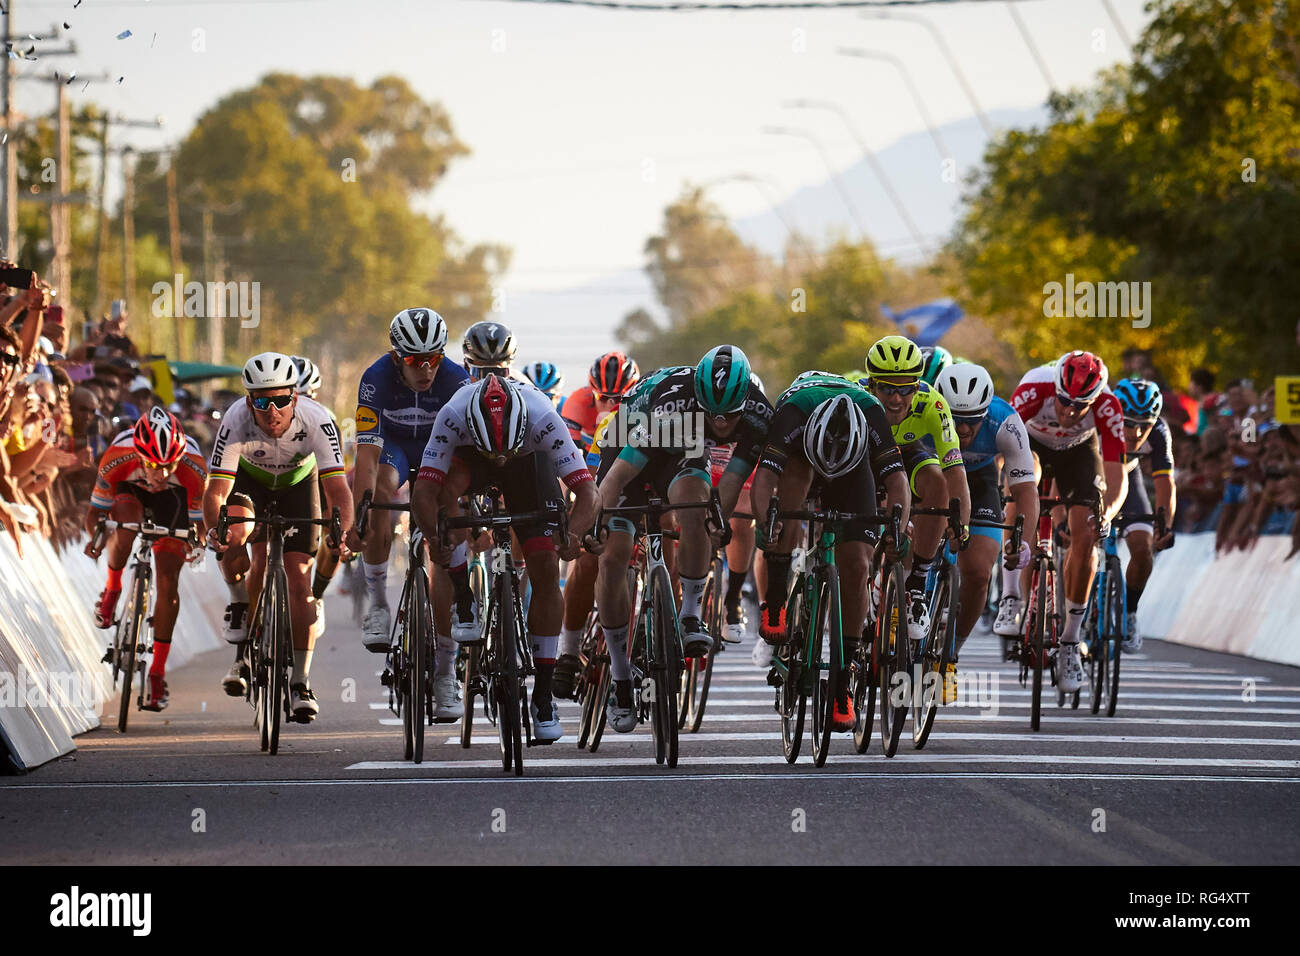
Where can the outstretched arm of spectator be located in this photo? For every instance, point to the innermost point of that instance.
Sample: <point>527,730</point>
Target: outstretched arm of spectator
<point>9,523</point>
<point>10,310</point>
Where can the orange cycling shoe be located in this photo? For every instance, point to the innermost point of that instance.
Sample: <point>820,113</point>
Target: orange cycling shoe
<point>105,607</point>
<point>772,631</point>
<point>844,718</point>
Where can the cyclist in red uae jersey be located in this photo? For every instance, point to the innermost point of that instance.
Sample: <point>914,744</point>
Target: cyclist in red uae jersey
<point>1076,432</point>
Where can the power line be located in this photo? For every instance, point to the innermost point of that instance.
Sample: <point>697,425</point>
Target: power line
<point>678,6</point>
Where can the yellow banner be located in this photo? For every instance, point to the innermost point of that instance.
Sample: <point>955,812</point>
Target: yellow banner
<point>1286,399</point>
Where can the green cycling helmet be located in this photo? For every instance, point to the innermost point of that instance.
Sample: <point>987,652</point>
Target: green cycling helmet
<point>937,358</point>
<point>722,380</point>
<point>894,357</point>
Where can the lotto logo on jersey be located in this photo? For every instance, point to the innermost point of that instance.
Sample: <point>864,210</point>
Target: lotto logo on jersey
<point>367,420</point>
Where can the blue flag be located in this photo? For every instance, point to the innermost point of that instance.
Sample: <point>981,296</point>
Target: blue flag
<point>926,324</point>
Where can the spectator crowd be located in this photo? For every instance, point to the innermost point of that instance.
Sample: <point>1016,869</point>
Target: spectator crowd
<point>60,407</point>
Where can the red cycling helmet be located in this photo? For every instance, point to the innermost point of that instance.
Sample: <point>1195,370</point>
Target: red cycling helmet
<point>1080,376</point>
<point>613,374</point>
<point>498,416</point>
<point>159,438</point>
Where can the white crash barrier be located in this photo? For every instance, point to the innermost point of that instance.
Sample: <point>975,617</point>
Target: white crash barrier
<point>53,684</point>
<point>1245,603</point>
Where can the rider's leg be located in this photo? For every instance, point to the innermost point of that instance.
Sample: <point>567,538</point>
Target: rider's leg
<point>695,552</point>
<point>297,568</point>
<point>976,567</point>
<point>545,614</point>
<point>929,485</point>
<point>379,542</point>
<point>1139,565</point>
<point>579,596</point>
<point>612,596</point>
<point>1080,567</point>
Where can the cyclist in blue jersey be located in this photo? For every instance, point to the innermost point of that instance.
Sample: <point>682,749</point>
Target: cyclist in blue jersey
<point>1145,434</point>
<point>398,402</point>
<point>988,428</point>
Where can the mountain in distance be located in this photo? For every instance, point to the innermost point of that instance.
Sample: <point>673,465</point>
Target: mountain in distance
<point>570,327</point>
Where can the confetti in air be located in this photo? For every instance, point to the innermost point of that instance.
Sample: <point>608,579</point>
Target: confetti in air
<point>124,34</point>
<point>120,79</point>
<point>72,77</point>
<point>153,41</point>
<point>66,25</point>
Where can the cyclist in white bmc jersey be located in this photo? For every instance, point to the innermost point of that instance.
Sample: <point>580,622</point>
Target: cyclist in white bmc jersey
<point>270,448</point>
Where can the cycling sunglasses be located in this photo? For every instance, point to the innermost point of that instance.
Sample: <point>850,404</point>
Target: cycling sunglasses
<point>1069,402</point>
<point>884,388</point>
<point>1138,422</point>
<point>263,402</point>
<point>428,360</point>
<point>968,421</point>
<point>154,466</point>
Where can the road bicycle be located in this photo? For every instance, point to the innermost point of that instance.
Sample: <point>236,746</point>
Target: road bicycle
<point>267,655</point>
<point>133,638</point>
<point>931,655</point>
<point>505,660</point>
<point>408,665</point>
<point>655,645</point>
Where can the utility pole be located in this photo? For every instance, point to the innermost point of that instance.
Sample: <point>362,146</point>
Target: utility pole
<point>104,122</point>
<point>183,332</point>
<point>899,65</point>
<point>128,235</point>
<point>830,168</point>
<point>215,345</point>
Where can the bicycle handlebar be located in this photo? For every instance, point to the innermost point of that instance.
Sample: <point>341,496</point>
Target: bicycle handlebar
<point>146,529</point>
<point>658,507</point>
<point>278,523</point>
<point>893,518</point>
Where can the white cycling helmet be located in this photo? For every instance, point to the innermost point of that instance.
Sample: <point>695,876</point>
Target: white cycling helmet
<point>270,370</point>
<point>967,388</point>
<point>497,416</point>
<point>309,379</point>
<point>835,437</point>
<point>417,332</point>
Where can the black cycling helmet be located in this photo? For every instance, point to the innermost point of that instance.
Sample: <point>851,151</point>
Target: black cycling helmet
<point>488,343</point>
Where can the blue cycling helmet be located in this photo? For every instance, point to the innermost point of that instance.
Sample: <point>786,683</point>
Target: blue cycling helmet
<point>1140,398</point>
<point>545,376</point>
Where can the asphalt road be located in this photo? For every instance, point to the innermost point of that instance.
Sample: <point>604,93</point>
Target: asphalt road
<point>1200,765</point>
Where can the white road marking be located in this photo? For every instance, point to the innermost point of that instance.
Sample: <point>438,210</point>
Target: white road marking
<point>644,735</point>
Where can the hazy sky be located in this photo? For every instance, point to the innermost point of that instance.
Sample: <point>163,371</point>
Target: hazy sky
<point>583,123</point>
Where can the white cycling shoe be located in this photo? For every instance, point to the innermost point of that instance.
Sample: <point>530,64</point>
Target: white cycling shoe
<point>622,719</point>
<point>1008,620</point>
<point>549,730</point>
<point>466,631</point>
<point>304,702</point>
<point>763,653</point>
<point>1133,642</point>
<point>918,616</point>
<point>236,631</point>
<point>1069,668</point>
<point>376,631</point>
<point>447,705</point>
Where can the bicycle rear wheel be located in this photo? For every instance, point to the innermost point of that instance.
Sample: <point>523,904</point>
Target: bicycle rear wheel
<point>506,679</point>
<point>601,691</point>
<point>893,655</point>
<point>132,638</point>
<point>791,702</point>
<point>829,638</point>
<point>1094,636</point>
<point>471,681</point>
<point>665,666</point>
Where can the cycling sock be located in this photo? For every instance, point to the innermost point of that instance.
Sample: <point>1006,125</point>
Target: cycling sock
<point>1133,595</point>
<point>319,583</point>
<point>544,647</point>
<point>920,571</point>
<point>735,581</point>
<point>460,555</point>
<point>570,641</point>
<point>114,582</point>
<point>620,668</point>
<point>301,667</point>
<point>464,595</point>
<point>1011,583</point>
<point>376,582</point>
<point>1073,619</point>
<point>444,656</point>
<point>778,580</point>
<point>238,591</point>
<point>160,651</point>
<point>692,593</point>
<point>542,684</point>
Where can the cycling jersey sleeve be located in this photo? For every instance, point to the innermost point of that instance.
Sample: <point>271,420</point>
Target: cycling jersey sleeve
<point>370,429</point>
<point>1013,445</point>
<point>192,474</point>
<point>1162,449</point>
<point>947,445</point>
<point>325,445</point>
<point>224,461</point>
<point>1028,398</point>
<point>551,437</point>
<point>881,447</point>
<point>1108,415</point>
<point>449,432</point>
<point>114,462</point>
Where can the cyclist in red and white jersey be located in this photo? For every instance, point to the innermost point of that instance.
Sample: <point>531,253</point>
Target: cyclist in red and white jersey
<point>1076,432</point>
<point>153,466</point>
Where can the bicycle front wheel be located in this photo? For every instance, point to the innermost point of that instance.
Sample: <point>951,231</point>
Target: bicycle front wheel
<point>132,638</point>
<point>1038,642</point>
<point>471,682</point>
<point>1114,630</point>
<point>936,653</point>
<point>506,680</point>
<point>791,701</point>
<point>276,639</point>
<point>665,667</point>
<point>893,655</point>
<point>829,638</point>
<point>415,654</point>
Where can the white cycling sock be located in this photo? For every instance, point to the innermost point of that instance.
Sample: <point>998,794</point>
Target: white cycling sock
<point>1011,583</point>
<point>239,590</point>
<point>460,555</point>
<point>544,646</point>
<point>570,641</point>
<point>620,668</point>
<point>301,667</point>
<point>444,657</point>
<point>377,582</point>
<point>1073,619</point>
<point>692,594</point>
